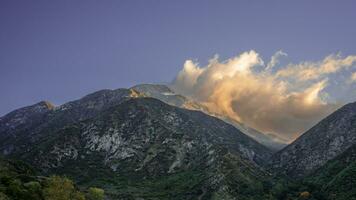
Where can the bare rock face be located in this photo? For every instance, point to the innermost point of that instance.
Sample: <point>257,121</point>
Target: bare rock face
<point>326,140</point>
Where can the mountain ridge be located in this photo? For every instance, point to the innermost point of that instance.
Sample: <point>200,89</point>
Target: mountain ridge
<point>323,142</point>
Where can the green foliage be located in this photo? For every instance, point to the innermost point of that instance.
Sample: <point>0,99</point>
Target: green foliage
<point>174,186</point>
<point>337,178</point>
<point>284,188</point>
<point>59,188</point>
<point>18,182</point>
<point>77,195</point>
<point>343,184</point>
<point>95,193</point>
<point>4,196</point>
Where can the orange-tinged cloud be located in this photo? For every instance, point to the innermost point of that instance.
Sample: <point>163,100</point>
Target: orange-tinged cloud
<point>311,71</point>
<point>353,77</point>
<point>285,102</point>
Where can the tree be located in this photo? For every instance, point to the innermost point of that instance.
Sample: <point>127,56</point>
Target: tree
<point>95,193</point>
<point>58,188</point>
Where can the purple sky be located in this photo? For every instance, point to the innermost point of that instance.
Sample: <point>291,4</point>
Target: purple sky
<point>62,50</point>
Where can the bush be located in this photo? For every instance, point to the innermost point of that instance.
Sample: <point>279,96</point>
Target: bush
<point>33,186</point>
<point>4,196</point>
<point>78,196</point>
<point>33,190</point>
<point>95,193</point>
<point>16,190</point>
<point>58,188</point>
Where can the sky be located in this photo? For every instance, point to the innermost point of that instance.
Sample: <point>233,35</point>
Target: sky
<point>62,50</point>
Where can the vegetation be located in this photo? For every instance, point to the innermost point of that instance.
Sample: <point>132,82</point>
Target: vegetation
<point>95,193</point>
<point>58,188</point>
<point>18,181</point>
<point>284,189</point>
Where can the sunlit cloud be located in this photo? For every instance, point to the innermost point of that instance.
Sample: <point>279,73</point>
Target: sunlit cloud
<point>284,102</point>
<point>314,70</point>
<point>353,78</point>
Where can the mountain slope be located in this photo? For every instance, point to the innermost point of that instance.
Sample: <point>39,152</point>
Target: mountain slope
<point>138,147</point>
<point>165,94</point>
<point>338,176</point>
<point>24,125</point>
<point>323,142</point>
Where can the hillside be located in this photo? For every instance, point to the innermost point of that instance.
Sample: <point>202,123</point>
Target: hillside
<point>136,147</point>
<point>323,142</point>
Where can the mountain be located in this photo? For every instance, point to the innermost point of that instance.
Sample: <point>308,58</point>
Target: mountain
<point>338,176</point>
<point>323,142</point>
<point>23,125</point>
<point>167,95</point>
<point>137,147</point>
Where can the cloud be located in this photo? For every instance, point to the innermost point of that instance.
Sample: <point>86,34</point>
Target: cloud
<point>275,59</point>
<point>311,71</point>
<point>353,78</point>
<point>285,102</point>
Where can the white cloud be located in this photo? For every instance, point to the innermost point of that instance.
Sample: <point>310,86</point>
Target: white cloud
<point>285,102</point>
<point>314,70</point>
<point>275,59</point>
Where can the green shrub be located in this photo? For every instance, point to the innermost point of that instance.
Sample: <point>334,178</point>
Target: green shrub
<point>58,188</point>
<point>95,193</point>
<point>4,196</point>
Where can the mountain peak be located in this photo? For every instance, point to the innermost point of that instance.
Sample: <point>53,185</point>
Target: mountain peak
<point>45,104</point>
<point>152,88</point>
<point>40,107</point>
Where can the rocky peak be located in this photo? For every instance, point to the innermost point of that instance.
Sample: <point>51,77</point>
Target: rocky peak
<point>153,88</point>
<point>25,115</point>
